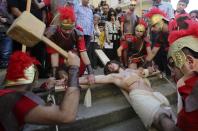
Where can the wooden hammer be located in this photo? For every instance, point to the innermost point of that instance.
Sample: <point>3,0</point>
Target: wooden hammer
<point>29,30</point>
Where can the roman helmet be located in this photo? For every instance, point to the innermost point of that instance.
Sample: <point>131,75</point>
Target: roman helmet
<point>21,69</point>
<point>180,39</point>
<point>67,17</point>
<point>156,17</point>
<point>142,26</point>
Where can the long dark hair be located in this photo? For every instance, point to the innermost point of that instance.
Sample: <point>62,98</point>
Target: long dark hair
<point>106,69</point>
<point>111,11</point>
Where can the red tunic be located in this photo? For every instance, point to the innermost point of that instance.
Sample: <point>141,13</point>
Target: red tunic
<point>138,53</point>
<point>73,42</point>
<point>21,108</point>
<point>187,121</point>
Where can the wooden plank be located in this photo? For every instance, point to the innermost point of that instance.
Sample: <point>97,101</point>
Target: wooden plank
<point>102,56</point>
<point>62,88</point>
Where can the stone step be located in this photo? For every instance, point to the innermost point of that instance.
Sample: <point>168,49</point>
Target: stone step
<point>133,124</point>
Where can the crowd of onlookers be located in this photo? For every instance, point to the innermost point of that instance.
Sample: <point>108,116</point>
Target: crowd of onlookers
<point>103,27</point>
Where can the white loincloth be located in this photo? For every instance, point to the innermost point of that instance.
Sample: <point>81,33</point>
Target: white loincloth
<point>146,104</point>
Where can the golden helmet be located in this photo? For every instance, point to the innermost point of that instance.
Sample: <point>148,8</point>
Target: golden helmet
<point>21,69</point>
<point>180,39</point>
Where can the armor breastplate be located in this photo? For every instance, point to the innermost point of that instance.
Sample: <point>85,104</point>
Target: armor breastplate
<point>136,49</point>
<point>65,41</point>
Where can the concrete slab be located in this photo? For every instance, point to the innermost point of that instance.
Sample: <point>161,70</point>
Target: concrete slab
<point>134,124</point>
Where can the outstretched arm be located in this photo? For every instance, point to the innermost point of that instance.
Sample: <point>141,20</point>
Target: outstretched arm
<point>67,110</point>
<point>99,79</point>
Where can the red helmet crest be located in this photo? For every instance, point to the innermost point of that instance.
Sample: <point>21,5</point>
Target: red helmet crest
<point>67,12</point>
<point>155,11</point>
<point>18,62</point>
<point>191,30</point>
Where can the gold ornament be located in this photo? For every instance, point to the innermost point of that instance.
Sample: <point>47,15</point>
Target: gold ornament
<point>156,19</point>
<point>175,50</point>
<point>140,28</point>
<point>179,58</point>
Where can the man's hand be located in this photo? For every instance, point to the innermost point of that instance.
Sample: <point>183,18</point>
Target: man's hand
<point>91,79</point>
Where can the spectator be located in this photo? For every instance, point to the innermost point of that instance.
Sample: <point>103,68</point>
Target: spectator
<point>6,43</point>
<point>105,10</point>
<point>97,11</point>
<point>102,34</point>
<point>84,16</point>
<point>95,41</point>
<point>119,13</point>
<point>129,20</point>
<point>194,15</point>
<point>112,27</point>
<point>39,51</point>
<point>181,6</point>
<point>166,7</point>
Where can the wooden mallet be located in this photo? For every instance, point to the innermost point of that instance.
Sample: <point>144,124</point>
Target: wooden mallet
<point>29,30</point>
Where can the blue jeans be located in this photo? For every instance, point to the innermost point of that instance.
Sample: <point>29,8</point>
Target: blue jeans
<point>6,46</point>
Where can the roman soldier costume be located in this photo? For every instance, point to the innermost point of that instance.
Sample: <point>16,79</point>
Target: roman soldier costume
<point>21,71</point>
<point>68,36</point>
<point>188,92</point>
<point>136,47</point>
<point>158,18</point>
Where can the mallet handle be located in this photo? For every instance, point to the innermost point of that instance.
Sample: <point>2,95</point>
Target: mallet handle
<point>28,5</point>
<point>54,46</point>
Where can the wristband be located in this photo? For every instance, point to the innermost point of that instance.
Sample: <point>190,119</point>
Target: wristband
<point>89,69</point>
<point>73,76</point>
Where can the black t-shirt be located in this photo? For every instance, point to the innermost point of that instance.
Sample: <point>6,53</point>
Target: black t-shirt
<point>21,5</point>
